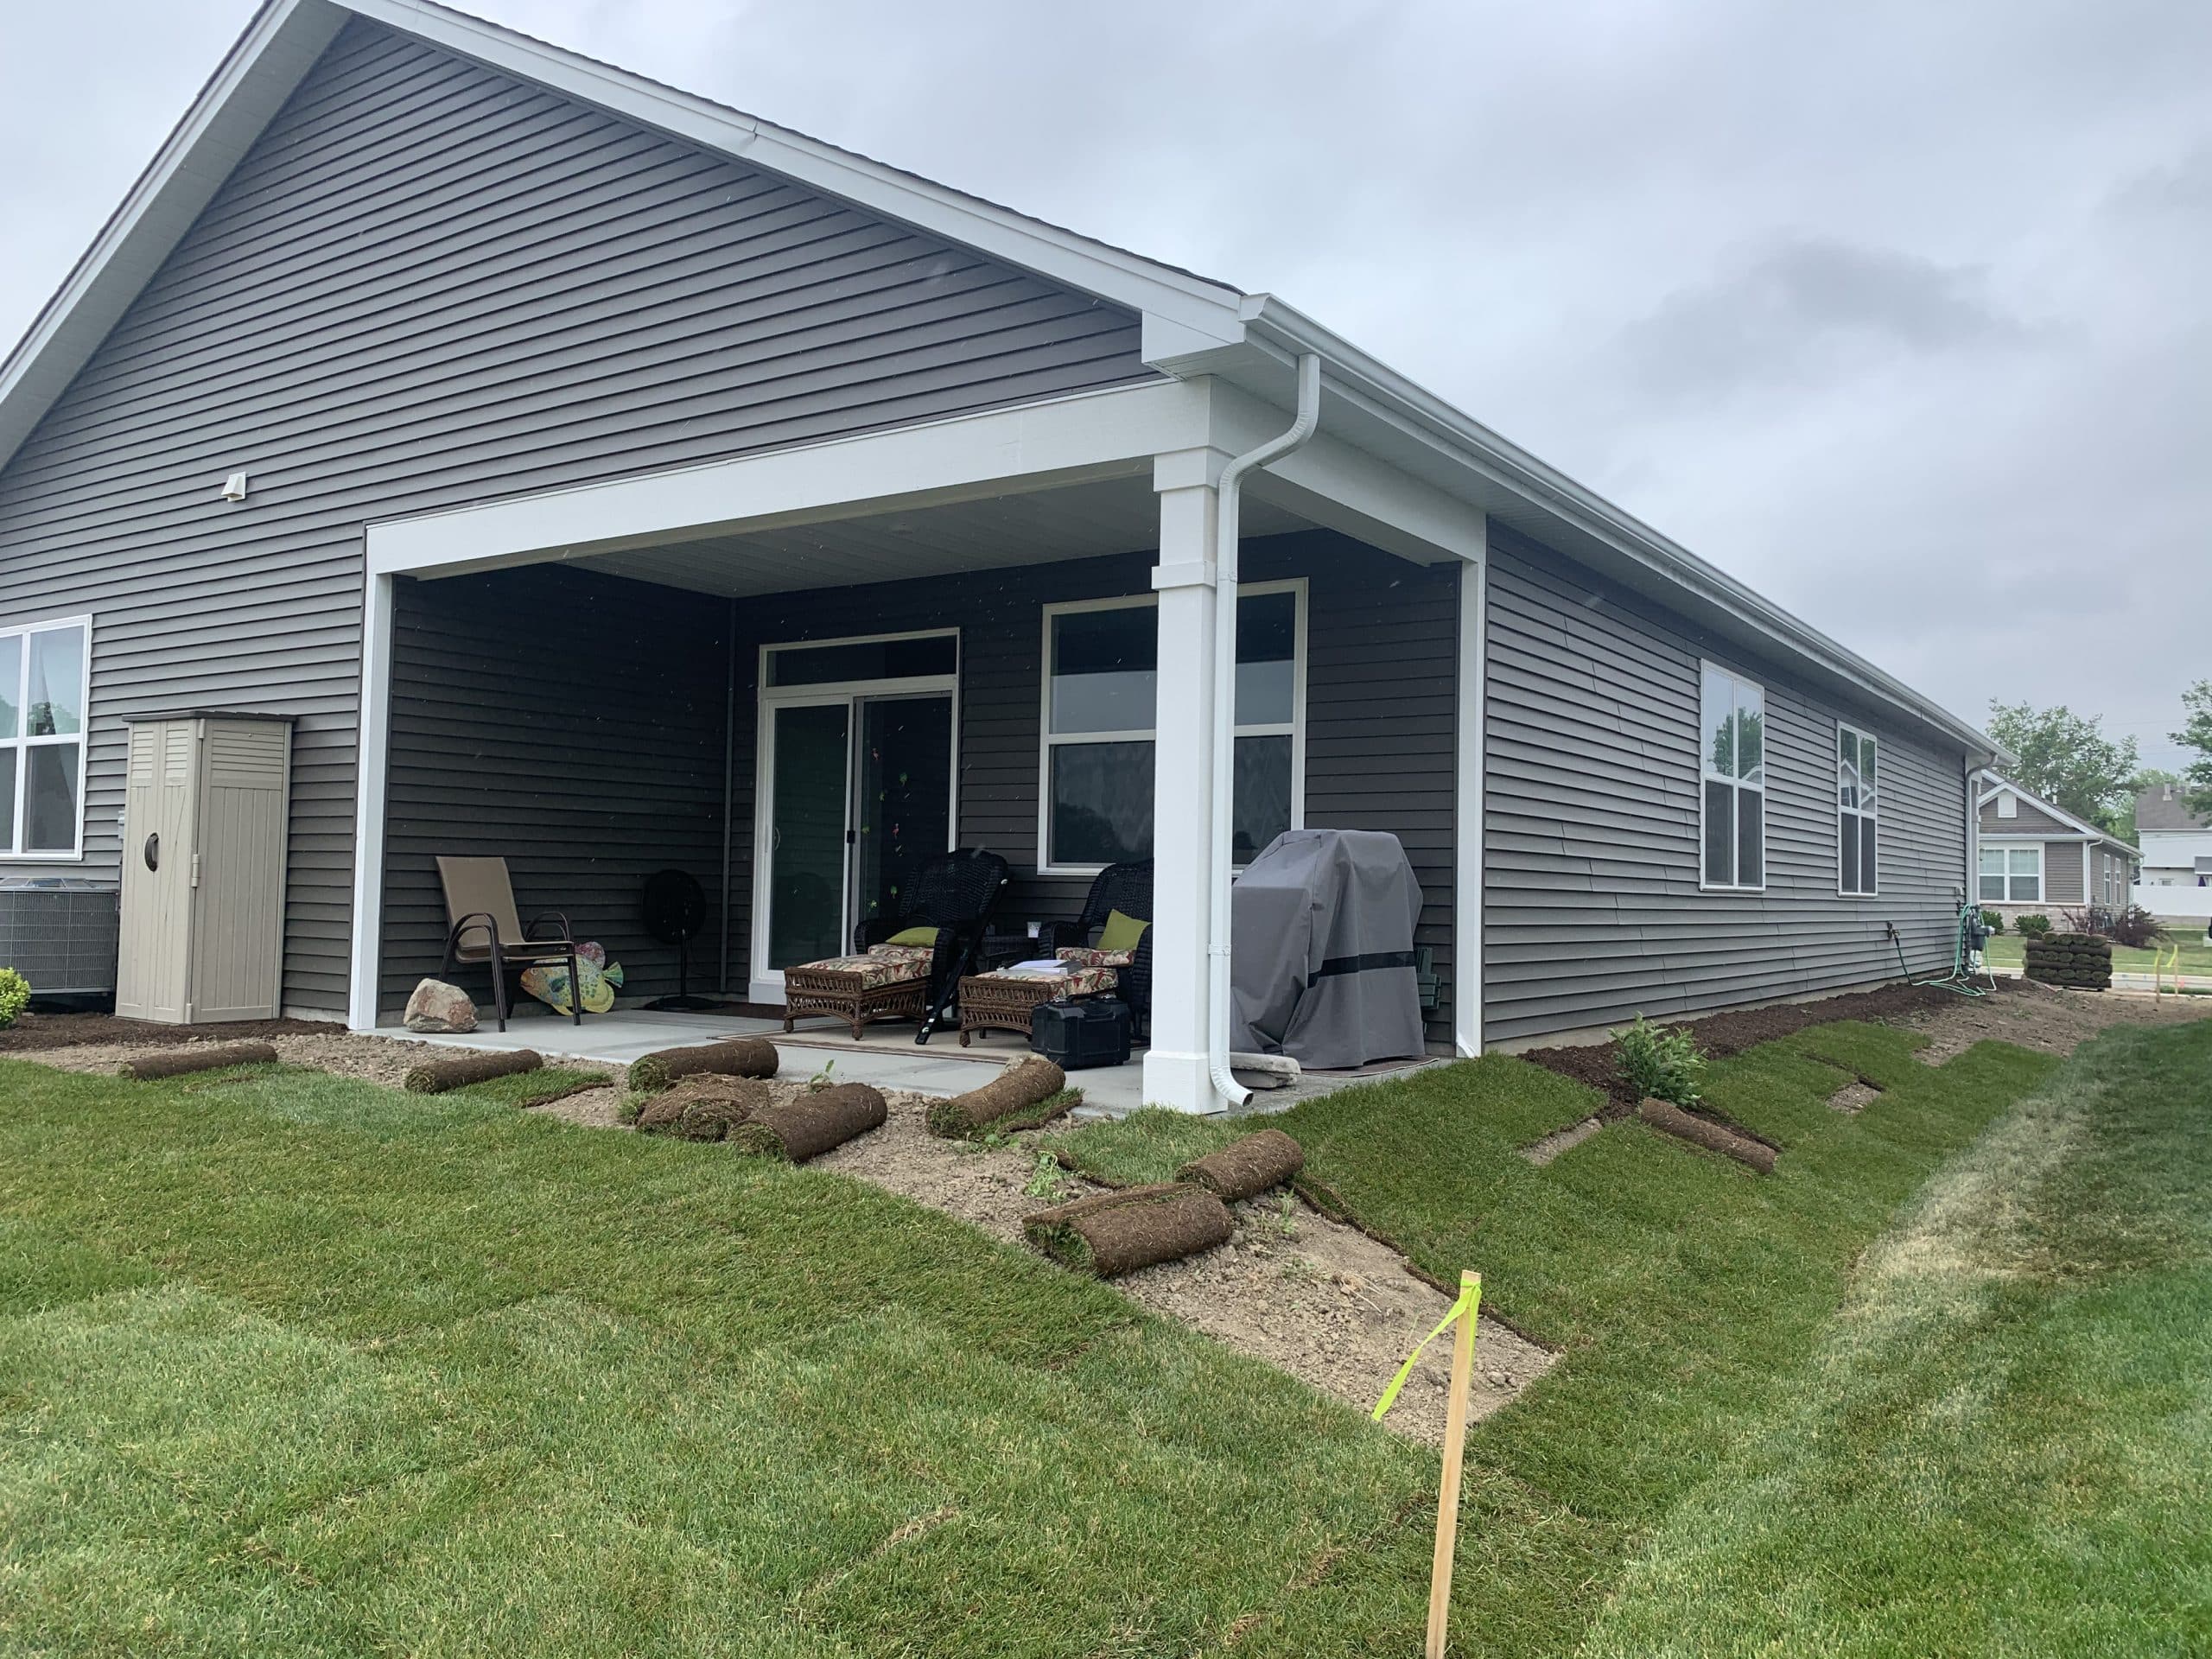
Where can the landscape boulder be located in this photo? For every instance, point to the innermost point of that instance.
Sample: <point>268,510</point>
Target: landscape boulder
<point>438,1007</point>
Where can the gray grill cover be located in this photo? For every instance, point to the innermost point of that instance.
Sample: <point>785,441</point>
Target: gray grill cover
<point>1322,950</point>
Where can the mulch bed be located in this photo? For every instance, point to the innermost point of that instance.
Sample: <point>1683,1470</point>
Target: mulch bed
<point>33,1032</point>
<point>1719,1035</point>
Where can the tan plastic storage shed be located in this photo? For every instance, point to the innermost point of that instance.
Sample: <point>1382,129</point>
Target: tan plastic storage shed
<point>205,804</point>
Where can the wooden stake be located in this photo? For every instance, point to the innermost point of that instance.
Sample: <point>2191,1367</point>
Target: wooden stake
<point>1447,1496</point>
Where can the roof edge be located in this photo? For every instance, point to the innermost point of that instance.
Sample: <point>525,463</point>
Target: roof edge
<point>1294,331</point>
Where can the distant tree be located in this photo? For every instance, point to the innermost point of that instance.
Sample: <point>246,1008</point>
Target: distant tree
<point>2067,759</point>
<point>2196,703</point>
<point>2144,781</point>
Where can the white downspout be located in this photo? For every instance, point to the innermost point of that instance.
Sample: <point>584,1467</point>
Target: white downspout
<point>1221,852</point>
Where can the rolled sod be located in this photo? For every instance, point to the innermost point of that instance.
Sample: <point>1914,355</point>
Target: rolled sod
<point>1113,1233</point>
<point>1030,1081</point>
<point>810,1123</point>
<point>196,1057</point>
<point>1704,1132</point>
<point>435,1077</point>
<point>1246,1168</point>
<point>739,1057</point>
<point>707,1107</point>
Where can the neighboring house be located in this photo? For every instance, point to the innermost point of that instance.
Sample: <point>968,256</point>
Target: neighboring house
<point>2034,858</point>
<point>2177,842</point>
<point>631,483</point>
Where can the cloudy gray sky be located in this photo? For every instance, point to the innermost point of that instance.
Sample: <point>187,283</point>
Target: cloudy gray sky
<point>1900,311</point>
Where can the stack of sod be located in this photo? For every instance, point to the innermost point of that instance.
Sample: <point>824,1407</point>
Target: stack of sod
<point>1246,1168</point>
<point>1704,1132</point>
<point>435,1077</point>
<point>810,1123</point>
<point>740,1056</point>
<point>1023,1096</point>
<point>1110,1234</point>
<point>196,1057</point>
<point>2080,961</point>
<point>707,1107</point>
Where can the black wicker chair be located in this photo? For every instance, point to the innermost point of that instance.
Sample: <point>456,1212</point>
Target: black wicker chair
<point>954,895</point>
<point>1127,888</point>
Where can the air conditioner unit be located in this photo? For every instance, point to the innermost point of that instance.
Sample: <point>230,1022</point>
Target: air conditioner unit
<point>60,933</point>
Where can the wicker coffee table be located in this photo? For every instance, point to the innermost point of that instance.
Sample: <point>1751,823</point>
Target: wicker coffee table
<point>1005,1001</point>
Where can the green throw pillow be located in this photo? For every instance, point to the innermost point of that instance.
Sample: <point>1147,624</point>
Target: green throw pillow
<point>1122,932</point>
<point>914,935</point>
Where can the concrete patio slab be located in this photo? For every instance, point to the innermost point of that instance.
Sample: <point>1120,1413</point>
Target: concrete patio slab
<point>887,1059</point>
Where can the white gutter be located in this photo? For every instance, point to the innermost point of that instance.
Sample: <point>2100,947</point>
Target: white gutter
<point>1221,853</point>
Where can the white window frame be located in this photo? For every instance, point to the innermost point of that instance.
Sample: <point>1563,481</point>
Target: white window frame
<point>21,743</point>
<point>1295,728</point>
<point>2008,848</point>
<point>1705,774</point>
<point>1851,815</point>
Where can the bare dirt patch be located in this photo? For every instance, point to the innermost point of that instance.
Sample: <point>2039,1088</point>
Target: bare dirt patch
<point>1854,1098</point>
<point>36,1034</point>
<point>1309,1295</point>
<point>2042,1017</point>
<point>320,1044</point>
<point>1541,1152</point>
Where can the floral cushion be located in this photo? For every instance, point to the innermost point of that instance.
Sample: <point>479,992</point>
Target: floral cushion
<point>891,950</point>
<point>1079,980</point>
<point>871,970</point>
<point>1085,955</point>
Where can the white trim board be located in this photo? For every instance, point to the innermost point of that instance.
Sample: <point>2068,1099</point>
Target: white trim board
<point>1467,811</point>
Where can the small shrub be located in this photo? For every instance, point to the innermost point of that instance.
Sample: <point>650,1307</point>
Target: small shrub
<point>2033,927</point>
<point>1995,921</point>
<point>15,996</point>
<point>1660,1061</point>
<point>2136,928</point>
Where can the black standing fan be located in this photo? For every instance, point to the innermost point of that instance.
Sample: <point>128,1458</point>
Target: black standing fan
<point>674,911</point>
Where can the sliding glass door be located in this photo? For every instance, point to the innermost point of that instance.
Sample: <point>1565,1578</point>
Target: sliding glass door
<point>857,786</point>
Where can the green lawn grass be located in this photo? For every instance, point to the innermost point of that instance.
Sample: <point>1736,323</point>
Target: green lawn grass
<point>2009,951</point>
<point>2005,1443</point>
<point>292,1364</point>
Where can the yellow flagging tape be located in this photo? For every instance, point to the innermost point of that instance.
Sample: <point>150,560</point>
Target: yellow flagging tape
<point>1469,1301</point>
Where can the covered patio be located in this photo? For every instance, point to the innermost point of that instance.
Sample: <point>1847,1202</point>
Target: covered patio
<point>796,676</point>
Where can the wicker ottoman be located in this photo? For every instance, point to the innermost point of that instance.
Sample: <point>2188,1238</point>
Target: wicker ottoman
<point>889,982</point>
<point>1005,1001</point>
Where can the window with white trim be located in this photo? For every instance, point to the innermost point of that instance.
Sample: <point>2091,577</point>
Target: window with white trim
<point>1102,677</point>
<point>1857,808</point>
<point>2012,875</point>
<point>44,688</point>
<point>1731,807</point>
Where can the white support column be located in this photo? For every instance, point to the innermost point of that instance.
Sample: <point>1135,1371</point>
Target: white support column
<point>1467,812</point>
<point>373,744</point>
<point>1175,1069</point>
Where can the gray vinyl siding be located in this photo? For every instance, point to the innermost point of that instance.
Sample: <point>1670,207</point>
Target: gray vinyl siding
<point>427,285</point>
<point>570,723</point>
<point>2031,821</point>
<point>588,799</point>
<point>1381,649</point>
<point>2062,873</point>
<point>1592,908</point>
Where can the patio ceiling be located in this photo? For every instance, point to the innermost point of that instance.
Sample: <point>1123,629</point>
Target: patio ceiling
<point>1078,521</point>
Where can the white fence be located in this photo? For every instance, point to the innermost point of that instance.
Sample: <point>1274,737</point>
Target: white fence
<point>2175,904</point>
